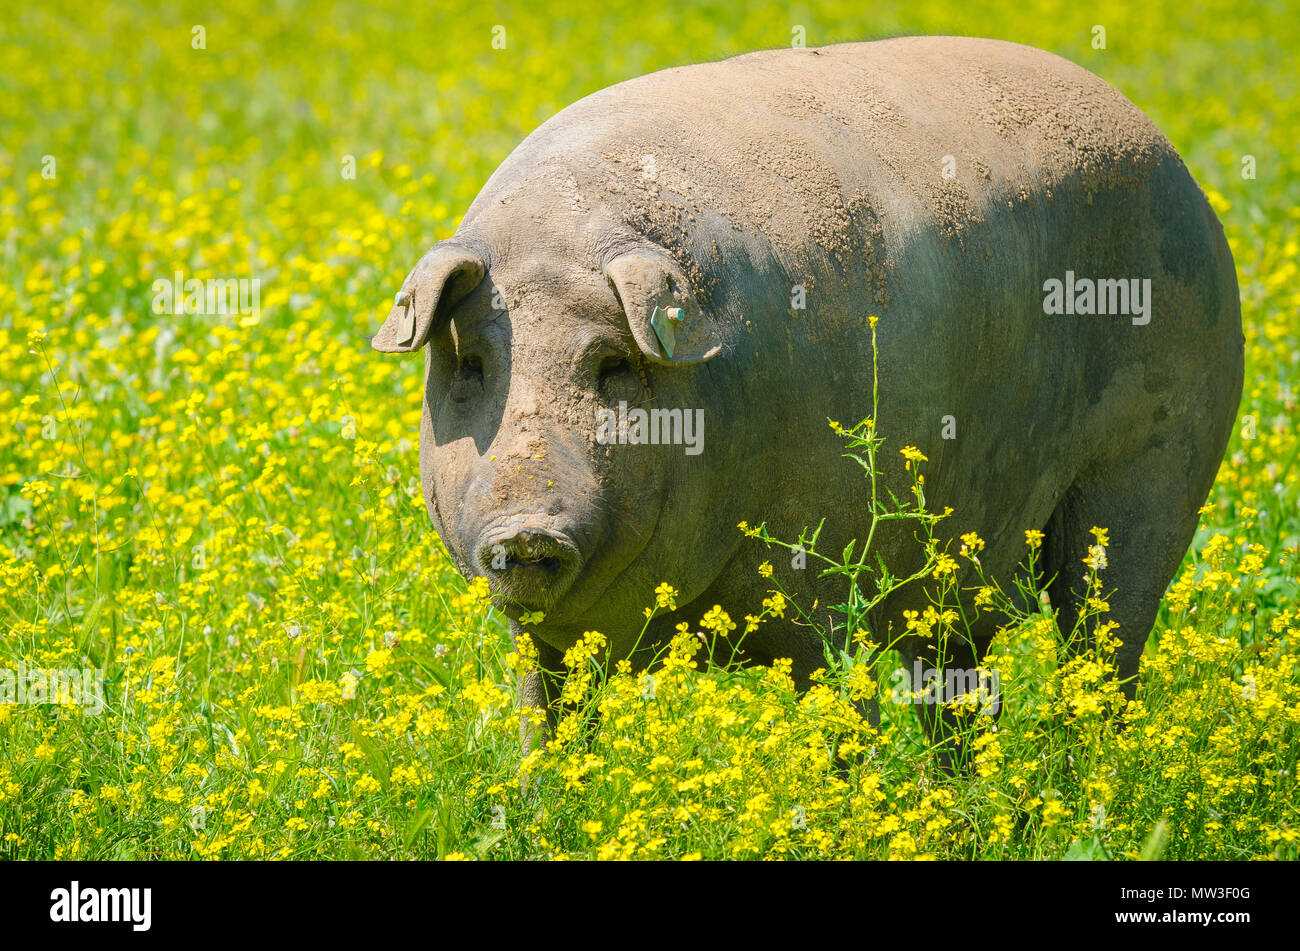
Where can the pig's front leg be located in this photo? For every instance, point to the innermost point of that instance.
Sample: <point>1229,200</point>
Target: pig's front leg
<point>538,692</point>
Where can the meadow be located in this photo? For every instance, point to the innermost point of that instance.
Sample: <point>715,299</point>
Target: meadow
<point>222,513</point>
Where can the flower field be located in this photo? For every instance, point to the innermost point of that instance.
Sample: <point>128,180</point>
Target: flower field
<point>220,515</point>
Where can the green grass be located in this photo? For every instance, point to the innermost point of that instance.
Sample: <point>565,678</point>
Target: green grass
<point>221,515</point>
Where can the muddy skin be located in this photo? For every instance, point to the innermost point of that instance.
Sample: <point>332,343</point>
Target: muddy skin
<point>721,189</point>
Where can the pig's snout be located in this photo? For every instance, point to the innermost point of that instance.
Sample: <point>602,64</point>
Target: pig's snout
<point>528,563</point>
<point>525,550</point>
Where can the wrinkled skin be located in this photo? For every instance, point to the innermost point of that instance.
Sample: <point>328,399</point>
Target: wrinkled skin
<point>720,188</point>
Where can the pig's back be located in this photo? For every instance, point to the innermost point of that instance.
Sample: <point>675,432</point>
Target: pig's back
<point>837,149</point>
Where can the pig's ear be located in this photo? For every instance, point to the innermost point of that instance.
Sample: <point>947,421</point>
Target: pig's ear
<point>440,279</point>
<point>665,319</point>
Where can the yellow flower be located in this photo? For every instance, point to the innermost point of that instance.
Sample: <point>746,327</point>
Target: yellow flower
<point>718,621</point>
<point>666,596</point>
<point>1096,558</point>
<point>774,604</point>
<point>377,661</point>
<point>943,565</point>
<point>348,682</point>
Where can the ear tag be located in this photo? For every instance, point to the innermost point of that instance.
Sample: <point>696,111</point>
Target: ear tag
<point>662,323</point>
<point>403,299</point>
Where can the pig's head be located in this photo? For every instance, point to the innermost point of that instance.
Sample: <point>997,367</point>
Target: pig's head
<point>525,345</point>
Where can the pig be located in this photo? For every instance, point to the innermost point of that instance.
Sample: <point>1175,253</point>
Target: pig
<point>1059,333</point>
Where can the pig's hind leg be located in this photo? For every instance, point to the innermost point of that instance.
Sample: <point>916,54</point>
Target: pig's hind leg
<point>1147,503</point>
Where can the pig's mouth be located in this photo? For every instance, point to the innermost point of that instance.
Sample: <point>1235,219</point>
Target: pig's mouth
<point>547,563</point>
<point>529,563</point>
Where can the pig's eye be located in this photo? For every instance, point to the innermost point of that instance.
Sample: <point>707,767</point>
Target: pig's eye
<point>613,367</point>
<point>469,379</point>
